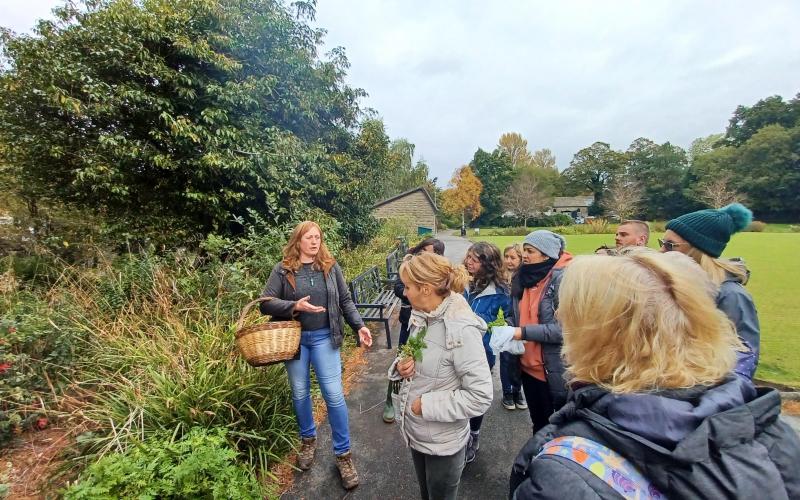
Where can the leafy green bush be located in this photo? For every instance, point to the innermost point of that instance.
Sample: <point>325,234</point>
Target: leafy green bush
<point>592,226</point>
<point>554,220</point>
<point>201,464</point>
<point>506,231</point>
<point>36,350</point>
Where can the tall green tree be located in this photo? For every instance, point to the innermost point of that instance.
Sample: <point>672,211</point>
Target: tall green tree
<point>171,117</point>
<point>495,173</point>
<point>659,170</point>
<point>747,120</point>
<point>403,173</point>
<point>594,168</point>
<point>758,160</point>
<point>767,170</point>
<point>704,145</point>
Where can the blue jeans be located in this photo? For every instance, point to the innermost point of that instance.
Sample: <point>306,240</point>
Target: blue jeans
<point>317,350</point>
<point>510,373</point>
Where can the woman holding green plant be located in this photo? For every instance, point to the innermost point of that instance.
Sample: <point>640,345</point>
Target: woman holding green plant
<point>487,295</point>
<point>426,245</point>
<point>444,373</point>
<point>308,285</point>
<point>534,297</point>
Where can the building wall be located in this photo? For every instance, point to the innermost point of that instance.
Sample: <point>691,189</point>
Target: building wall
<point>584,211</point>
<point>415,206</point>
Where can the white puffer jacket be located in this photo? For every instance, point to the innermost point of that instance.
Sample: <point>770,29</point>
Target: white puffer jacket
<point>453,379</point>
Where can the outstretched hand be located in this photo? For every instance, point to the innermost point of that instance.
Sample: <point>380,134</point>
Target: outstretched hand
<point>365,336</point>
<point>303,305</point>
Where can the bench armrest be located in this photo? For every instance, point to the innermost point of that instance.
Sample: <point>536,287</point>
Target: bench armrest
<point>371,306</point>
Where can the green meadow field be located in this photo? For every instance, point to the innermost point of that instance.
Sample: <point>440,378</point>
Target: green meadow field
<point>774,261</point>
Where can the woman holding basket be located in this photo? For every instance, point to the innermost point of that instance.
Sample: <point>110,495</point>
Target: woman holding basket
<point>308,285</point>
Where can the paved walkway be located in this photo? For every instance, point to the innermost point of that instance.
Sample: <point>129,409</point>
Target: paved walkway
<point>383,461</point>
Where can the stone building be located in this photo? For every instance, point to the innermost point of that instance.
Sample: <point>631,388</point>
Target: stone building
<point>572,205</point>
<point>415,204</point>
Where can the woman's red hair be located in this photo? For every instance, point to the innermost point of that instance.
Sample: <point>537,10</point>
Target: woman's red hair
<point>324,261</point>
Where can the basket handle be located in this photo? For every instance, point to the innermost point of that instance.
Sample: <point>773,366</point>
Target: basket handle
<point>247,310</point>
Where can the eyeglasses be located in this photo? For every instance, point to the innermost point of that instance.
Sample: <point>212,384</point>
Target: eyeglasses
<point>669,245</point>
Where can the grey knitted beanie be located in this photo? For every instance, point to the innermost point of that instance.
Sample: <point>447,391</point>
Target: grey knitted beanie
<point>547,242</point>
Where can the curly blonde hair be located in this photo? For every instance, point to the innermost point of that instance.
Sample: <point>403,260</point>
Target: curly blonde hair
<point>643,322</point>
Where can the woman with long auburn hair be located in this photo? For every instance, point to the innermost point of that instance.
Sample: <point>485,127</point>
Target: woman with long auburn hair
<point>308,285</point>
<point>654,410</point>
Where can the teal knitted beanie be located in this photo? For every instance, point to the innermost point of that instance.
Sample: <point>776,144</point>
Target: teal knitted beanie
<point>710,230</point>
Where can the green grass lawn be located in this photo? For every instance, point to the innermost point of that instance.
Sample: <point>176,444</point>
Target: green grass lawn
<point>774,260</point>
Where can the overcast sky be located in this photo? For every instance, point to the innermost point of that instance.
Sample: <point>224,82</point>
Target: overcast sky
<point>453,75</point>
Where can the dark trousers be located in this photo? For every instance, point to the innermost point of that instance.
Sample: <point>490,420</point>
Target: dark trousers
<point>403,333</point>
<point>540,402</point>
<point>475,422</point>
<point>510,373</point>
<point>404,317</point>
<point>438,477</point>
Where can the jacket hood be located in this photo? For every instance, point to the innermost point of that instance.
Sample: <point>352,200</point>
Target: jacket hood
<point>564,259</point>
<point>677,425</point>
<point>454,311</point>
<point>491,289</point>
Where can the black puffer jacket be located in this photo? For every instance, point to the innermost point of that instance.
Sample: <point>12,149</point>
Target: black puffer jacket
<point>547,333</point>
<point>281,286</point>
<point>725,441</point>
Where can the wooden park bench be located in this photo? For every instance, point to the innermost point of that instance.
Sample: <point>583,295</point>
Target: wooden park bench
<point>395,258</point>
<point>393,261</point>
<point>374,299</point>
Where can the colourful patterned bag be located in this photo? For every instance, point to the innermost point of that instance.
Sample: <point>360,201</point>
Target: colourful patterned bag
<point>605,463</point>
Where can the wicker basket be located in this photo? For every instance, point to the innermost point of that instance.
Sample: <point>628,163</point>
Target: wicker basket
<point>269,342</point>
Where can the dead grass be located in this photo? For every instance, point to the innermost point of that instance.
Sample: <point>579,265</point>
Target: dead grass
<point>34,456</point>
<point>791,408</point>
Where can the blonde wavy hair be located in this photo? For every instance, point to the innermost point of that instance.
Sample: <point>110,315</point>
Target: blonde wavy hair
<point>435,271</point>
<point>324,261</point>
<point>718,269</point>
<point>643,322</point>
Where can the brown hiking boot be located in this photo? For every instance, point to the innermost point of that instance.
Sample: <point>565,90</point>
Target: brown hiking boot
<point>347,470</point>
<point>306,455</point>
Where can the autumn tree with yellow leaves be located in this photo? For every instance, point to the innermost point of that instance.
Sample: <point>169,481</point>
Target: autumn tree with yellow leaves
<point>463,196</point>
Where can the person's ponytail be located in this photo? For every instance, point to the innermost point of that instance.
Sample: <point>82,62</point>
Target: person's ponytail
<point>458,279</point>
<point>430,269</point>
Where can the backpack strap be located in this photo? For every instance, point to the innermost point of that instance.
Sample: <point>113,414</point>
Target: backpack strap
<point>605,463</point>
